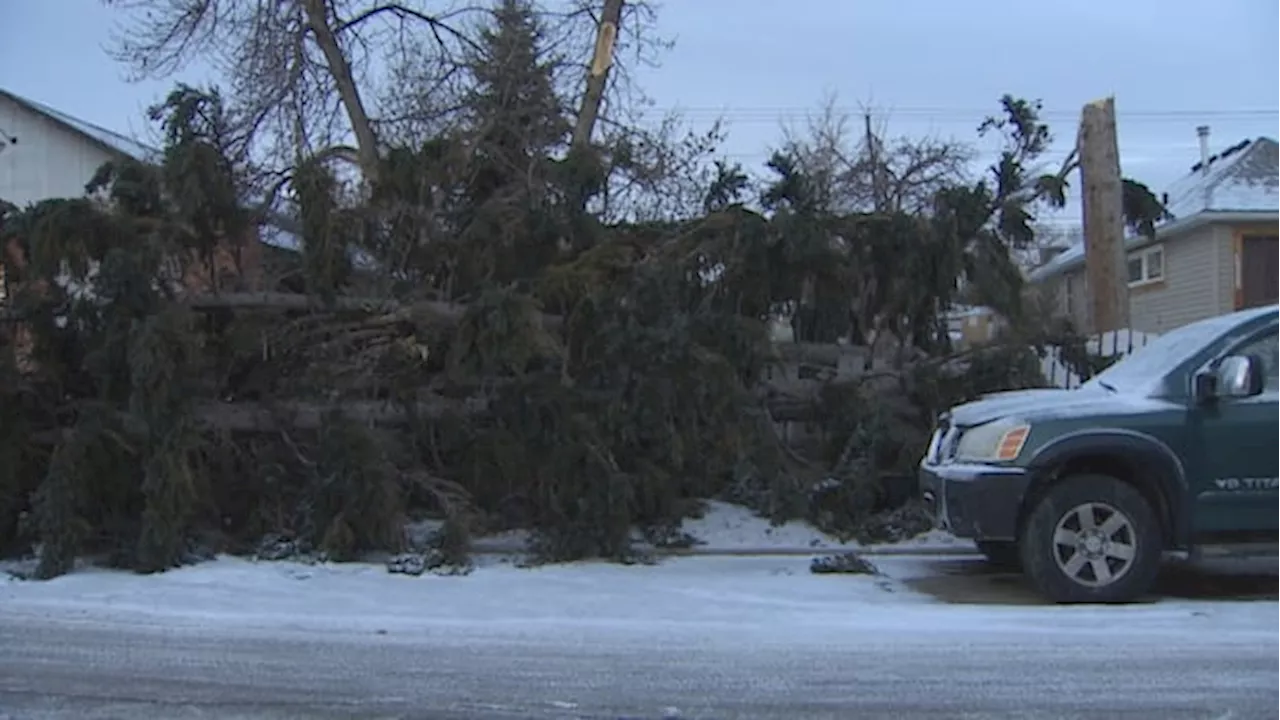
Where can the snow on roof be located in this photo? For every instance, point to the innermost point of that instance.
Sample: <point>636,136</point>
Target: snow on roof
<point>114,141</point>
<point>1241,179</point>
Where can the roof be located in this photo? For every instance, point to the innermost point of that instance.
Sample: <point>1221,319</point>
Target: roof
<point>109,139</point>
<point>1241,184</point>
<point>1242,178</point>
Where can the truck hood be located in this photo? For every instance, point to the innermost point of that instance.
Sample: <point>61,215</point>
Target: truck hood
<point>1043,404</point>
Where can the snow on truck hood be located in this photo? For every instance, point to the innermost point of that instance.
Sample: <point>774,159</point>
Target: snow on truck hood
<point>1048,403</point>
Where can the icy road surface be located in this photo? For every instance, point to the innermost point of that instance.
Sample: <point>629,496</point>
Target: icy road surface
<point>711,638</point>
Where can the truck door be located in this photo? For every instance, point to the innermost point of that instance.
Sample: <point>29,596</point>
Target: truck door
<point>1236,485</point>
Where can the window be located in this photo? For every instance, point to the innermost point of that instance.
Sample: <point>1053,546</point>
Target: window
<point>1155,264</point>
<point>1135,269</point>
<point>1070,295</point>
<point>1146,266</point>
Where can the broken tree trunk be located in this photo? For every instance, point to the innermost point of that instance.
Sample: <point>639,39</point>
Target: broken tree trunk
<point>442,311</point>
<point>267,417</point>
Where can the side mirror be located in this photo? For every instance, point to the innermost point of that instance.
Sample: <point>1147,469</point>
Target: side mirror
<point>1239,376</point>
<point>1205,387</point>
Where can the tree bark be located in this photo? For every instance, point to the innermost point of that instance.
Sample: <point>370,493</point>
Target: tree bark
<point>1102,205</point>
<point>270,417</point>
<point>261,417</point>
<point>598,76</point>
<point>366,141</point>
<point>444,312</point>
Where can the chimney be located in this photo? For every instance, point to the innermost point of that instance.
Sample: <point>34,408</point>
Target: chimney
<point>1202,132</point>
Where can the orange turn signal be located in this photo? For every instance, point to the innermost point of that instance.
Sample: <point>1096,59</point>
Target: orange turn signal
<point>1011,444</point>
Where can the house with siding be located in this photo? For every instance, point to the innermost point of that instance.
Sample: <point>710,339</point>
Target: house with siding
<point>1216,254</point>
<point>46,153</point>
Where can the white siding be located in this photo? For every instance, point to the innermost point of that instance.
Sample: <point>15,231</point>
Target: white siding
<point>47,161</point>
<point>1191,289</point>
<point>1199,282</point>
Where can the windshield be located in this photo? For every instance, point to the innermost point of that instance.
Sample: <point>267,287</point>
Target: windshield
<point>1153,361</point>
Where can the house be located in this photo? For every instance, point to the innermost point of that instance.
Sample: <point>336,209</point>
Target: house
<point>46,154</point>
<point>1217,254</point>
<point>972,325</point>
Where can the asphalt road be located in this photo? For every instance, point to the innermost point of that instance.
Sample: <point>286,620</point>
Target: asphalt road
<point>97,669</point>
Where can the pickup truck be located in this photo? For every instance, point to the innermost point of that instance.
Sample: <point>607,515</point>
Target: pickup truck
<point>1171,450</point>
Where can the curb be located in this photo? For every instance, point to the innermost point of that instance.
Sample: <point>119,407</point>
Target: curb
<point>887,551</point>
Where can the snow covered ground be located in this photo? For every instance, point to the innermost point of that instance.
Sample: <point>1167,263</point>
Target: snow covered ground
<point>726,527</point>
<point>689,637</point>
<point>732,529</point>
<point>710,593</point>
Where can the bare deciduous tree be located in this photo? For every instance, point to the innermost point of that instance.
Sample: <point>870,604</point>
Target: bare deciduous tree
<point>301,70</point>
<point>863,170</point>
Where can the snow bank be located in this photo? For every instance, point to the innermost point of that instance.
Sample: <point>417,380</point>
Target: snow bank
<point>710,591</point>
<point>709,599</point>
<point>734,529</point>
<point>728,527</point>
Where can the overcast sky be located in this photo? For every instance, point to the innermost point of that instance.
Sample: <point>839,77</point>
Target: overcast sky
<point>920,65</point>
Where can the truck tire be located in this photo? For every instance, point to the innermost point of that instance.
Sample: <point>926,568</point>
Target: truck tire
<point>1001,554</point>
<point>1092,539</point>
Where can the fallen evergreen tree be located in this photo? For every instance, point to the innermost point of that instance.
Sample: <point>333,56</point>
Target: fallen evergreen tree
<point>466,339</point>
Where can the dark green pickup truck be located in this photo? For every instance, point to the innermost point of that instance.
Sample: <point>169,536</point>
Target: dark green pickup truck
<point>1174,448</point>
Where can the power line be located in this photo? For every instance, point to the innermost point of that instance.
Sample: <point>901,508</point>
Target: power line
<point>1050,156</point>
<point>765,113</point>
<point>944,110</point>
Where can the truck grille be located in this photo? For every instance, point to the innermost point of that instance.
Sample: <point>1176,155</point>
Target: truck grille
<point>942,446</point>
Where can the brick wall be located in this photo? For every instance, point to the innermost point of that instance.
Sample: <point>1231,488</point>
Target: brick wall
<point>237,268</point>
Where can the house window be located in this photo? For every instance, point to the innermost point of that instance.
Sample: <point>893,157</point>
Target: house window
<point>1070,295</point>
<point>1146,266</point>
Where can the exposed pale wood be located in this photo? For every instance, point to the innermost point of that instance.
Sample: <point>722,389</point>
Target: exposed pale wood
<point>1102,206</point>
<point>598,76</point>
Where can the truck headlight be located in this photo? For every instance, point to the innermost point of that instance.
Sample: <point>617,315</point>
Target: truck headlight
<point>997,441</point>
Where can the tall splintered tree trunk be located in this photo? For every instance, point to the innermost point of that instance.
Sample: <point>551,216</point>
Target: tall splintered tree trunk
<point>1102,203</point>
<point>598,76</point>
<point>366,142</point>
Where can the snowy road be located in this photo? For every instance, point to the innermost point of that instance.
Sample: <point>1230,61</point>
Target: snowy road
<point>704,638</point>
<point>120,672</point>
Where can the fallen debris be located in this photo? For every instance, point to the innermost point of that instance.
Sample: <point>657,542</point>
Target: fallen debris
<point>848,563</point>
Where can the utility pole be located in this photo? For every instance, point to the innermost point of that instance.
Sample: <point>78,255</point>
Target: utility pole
<point>1102,206</point>
<point>873,156</point>
<point>598,76</point>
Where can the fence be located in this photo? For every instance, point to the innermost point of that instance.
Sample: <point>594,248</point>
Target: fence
<point>1113,343</point>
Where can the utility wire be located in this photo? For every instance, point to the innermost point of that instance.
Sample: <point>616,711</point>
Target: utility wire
<point>771,114</point>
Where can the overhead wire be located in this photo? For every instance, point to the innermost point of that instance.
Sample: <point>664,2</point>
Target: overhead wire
<point>957,117</point>
<point>771,113</point>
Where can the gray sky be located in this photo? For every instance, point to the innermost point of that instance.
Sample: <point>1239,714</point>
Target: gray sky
<point>924,69</point>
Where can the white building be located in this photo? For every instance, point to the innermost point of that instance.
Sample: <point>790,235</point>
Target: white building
<point>45,153</point>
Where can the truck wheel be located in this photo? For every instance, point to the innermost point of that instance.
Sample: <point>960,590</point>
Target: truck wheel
<point>1002,555</point>
<point>1092,538</point>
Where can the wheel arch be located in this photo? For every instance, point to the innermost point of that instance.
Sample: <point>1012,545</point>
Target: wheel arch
<point>1140,460</point>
